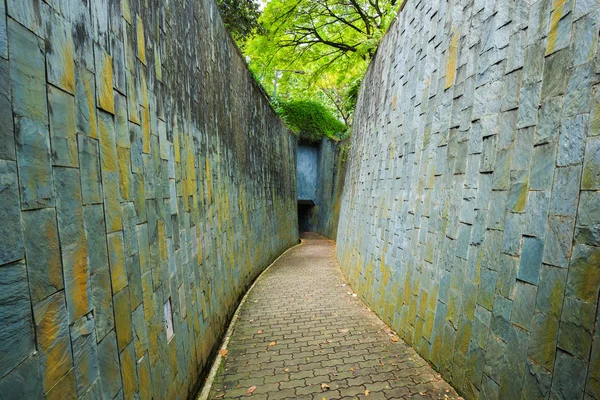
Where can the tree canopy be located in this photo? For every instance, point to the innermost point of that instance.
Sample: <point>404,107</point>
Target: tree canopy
<point>311,120</point>
<point>331,41</point>
<point>240,18</point>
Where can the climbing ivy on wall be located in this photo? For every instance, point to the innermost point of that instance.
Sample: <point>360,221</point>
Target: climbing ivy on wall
<point>311,120</point>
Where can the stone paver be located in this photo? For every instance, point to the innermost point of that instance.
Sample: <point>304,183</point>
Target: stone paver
<point>302,334</point>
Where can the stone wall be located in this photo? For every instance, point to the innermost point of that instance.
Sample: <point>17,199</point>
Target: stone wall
<point>142,173</point>
<point>470,215</point>
<point>330,170</point>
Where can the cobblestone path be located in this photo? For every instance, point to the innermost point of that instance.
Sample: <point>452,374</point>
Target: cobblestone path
<point>302,334</point>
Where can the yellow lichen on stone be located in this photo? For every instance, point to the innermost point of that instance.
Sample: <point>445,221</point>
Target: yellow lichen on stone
<point>126,10</point>
<point>140,40</point>
<point>106,98</point>
<point>124,175</point>
<point>554,21</point>
<point>92,108</point>
<point>68,78</point>
<point>452,58</point>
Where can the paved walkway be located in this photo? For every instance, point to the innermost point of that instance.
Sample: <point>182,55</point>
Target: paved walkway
<point>301,334</point>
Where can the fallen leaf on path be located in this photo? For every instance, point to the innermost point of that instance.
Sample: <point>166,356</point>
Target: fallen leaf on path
<point>272,344</point>
<point>251,389</point>
<point>394,339</point>
<point>366,392</point>
<point>286,370</point>
<point>223,352</point>
<point>324,386</point>
<point>220,396</point>
<point>259,332</point>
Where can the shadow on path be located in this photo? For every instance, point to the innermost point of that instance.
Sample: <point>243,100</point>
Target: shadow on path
<point>303,334</point>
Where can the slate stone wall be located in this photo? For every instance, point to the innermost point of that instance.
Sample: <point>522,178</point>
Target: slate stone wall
<point>330,171</point>
<point>470,216</point>
<point>141,171</point>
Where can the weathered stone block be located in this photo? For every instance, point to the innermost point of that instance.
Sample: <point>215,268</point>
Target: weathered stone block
<point>53,339</point>
<point>579,90</point>
<point>551,290</point>
<point>66,388</point>
<point>74,247</point>
<point>85,357</point>
<point>110,176</point>
<point>100,277</point>
<point>33,160</point>
<point>561,21</point>
<point>536,382</point>
<point>16,330</point>
<point>593,380</point>
<point>118,274</point>
<point>548,128</point>
<point>7,130</point>
<point>565,191</point>
<point>123,318</point>
<point>134,277</point>
<point>104,80</point>
<point>572,140</point>
<point>24,382</point>
<point>27,72</point>
<point>584,274</point>
<point>91,180</point>
<point>62,128</point>
<point>591,164</point>
<point>85,102</point>
<point>542,342</point>
<point>557,247</point>
<point>11,232</point>
<point>531,260</point>
<point>60,62</point>
<point>554,82</point>
<point>128,371</point>
<point>569,376</point>
<point>42,246</point>
<point>537,214</point>
<point>523,305</point>
<point>3,38</point>
<point>28,13</point>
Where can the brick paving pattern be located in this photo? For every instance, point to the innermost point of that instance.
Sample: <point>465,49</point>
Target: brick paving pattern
<point>302,334</point>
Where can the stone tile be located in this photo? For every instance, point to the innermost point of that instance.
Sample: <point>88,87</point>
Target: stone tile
<point>584,274</point>
<point>523,304</point>
<point>110,371</point>
<point>85,102</point>
<point>100,277</point>
<point>576,327</point>
<point>74,248</point>
<point>531,260</point>
<point>27,73</point>
<point>542,343</point>
<point>557,247</point>
<point>104,80</point>
<point>24,382</point>
<point>91,180</point>
<point>85,356</point>
<point>572,140</point>
<point>118,272</point>
<point>537,214</point>
<point>44,266</point>
<point>551,290</point>
<point>579,90</point>
<point>554,82</point>
<point>569,376</point>
<point>60,64</point>
<point>28,13</point>
<point>66,388</point>
<point>128,371</point>
<point>16,330</point>
<point>123,318</point>
<point>7,130</point>
<point>3,38</point>
<point>110,175</point>
<point>565,191</point>
<point>12,246</point>
<point>53,339</point>
<point>591,164</point>
<point>542,168</point>
<point>61,106</point>
<point>33,160</point>
<point>548,128</point>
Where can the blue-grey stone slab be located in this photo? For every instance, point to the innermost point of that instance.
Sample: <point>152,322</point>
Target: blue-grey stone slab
<point>12,245</point>
<point>7,131</point>
<point>16,329</point>
<point>531,260</point>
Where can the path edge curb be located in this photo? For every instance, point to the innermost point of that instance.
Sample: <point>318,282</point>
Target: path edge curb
<point>207,386</point>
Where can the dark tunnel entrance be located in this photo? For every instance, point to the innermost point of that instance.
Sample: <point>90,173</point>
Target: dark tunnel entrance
<point>306,210</point>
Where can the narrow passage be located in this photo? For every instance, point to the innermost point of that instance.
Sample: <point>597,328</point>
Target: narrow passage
<point>302,334</point>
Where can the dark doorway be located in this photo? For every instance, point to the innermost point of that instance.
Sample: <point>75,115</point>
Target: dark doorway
<point>306,210</point>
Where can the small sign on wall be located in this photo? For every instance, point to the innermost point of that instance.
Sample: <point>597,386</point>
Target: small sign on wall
<point>168,320</point>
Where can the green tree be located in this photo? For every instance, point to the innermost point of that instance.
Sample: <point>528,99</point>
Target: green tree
<point>311,120</point>
<point>240,18</point>
<point>331,40</point>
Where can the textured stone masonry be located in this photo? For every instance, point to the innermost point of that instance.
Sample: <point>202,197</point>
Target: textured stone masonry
<point>140,165</point>
<point>470,213</point>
